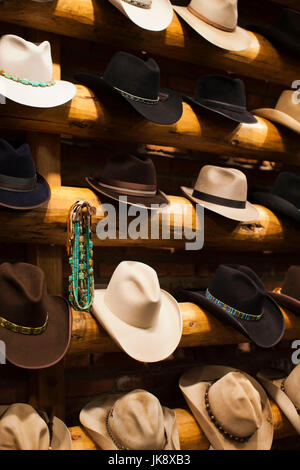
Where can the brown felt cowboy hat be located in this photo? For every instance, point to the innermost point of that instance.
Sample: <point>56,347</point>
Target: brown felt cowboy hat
<point>285,391</point>
<point>132,421</point>
<point>230,406</point>
<point>288,296</point>
<point>35,327</point>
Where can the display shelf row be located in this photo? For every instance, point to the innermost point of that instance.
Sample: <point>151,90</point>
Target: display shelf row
<point>190,434</point>
<point>87,117</point>
<point>100,21</point>
<point>48,225</point>
<point>199,329</point>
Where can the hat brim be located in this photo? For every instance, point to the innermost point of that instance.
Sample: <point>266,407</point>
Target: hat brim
<point>279,117</point>
<point>291,304</point>
<point>93,416</point>
<point>238,40</point>
<point>231,113</point>
<point>39,196</point>
<point>272,386</point>
<point>276,204</point>
<point>143,344</point>
<point>266,332</point>
<point>193,385</point>
<point>156,18</point>
<point>39,97</point>
<point>166,111</point>
<point>276,37</point>
<point>249,214</point>
<point>139,201</point>
<point>46,349</point>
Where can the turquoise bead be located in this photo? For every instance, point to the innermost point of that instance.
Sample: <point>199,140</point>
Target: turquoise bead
<point>34,83</point>
<point>43,84</point>
<point>24,81</point>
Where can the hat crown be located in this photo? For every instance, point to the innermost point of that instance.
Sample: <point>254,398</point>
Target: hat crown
<point>292,386</point>
<point>236,404</point>
<point>287,186</point>
<point>137,421</point>
<point>26,59</point>
<point>23,294</point>
<point>291,284</point>
<point>133,75</point>
<point>130,168</point>
<point>16,162</point>
<point>227,183</point>
<point>219,12</point>
<point>238,287</point>
<point>221,88</point>
<point>133,294</point>
<point>288,104</point>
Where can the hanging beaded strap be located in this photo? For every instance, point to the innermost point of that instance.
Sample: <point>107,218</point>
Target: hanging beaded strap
<point>80,252</point>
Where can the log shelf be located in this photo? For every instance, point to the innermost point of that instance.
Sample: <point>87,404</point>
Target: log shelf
<point>100,21</point>
<point>112,120</point>
<point>190,434</point>
<point>200,328</point>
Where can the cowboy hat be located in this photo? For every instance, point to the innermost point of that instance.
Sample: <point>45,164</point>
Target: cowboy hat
<point>285,391</point>
<point>132,421</point>
<point>216,21</point>
<point>24,428</point>
<point>26,74</point>
<point>20,186</point>
<point>286,111</point>
<point>154,15</point>
<point>284,196</point>
<point>288,296</point>
<point>237,296</point>
<point>136,81</point>
<point>223,95</point>
<point>224,191</point>
<point>230,406</point>
<point>35,327</point>
<point>133,176</point>
<point>144,320</point>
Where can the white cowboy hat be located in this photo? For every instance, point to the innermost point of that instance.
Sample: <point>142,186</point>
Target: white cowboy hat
<point>144,320</point>
<point>154,15</point>
<point>216,21</point>
<point>26,74</point>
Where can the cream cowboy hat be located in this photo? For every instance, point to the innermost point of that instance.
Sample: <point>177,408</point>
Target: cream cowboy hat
<point>230,406</point>
<point>24,428</point>
<point>216,21</point>
<point>154,15</point>
<point>26,74</point>
<point>132,421</point>
<point>285,391</point>
<point>144,320</point>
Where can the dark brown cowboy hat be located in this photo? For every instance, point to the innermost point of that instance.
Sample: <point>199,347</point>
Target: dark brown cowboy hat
<point>35,327</point>
<point>288,296</point>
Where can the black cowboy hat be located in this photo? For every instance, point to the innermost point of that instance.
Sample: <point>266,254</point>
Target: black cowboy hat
<point>223,95</point>
<point>20,186</point>
<point>237,296</point>
<point>284,31</point>
<point>133,176</point>
<point>138,82</point>
<point>284,196</point>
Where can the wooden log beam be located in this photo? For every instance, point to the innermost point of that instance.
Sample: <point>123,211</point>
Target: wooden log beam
<point>200,328</point>
<point>190,434</point>
<point>100,21</point>
<point>47,225</point>
<point>114,120</point>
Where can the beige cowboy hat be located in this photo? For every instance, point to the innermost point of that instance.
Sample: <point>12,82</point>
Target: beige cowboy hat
<point>24,428</point>
<point>154,15</point>
<point>286,111</point>
<point>144,320</point>
<point>230,406</point>
<point>132,421</point>
<point>285,391</point>
<point>26,74</point>
<point>216,21</point>
<point>224,191</point>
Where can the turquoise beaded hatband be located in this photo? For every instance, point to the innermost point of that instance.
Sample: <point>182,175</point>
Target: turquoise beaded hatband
<point>25,81</point>
<point>233,311</point>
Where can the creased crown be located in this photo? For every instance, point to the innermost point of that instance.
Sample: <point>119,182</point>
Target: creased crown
<point>292,386</point>
<point>227,183</point>
<point>219,12</point>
